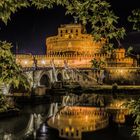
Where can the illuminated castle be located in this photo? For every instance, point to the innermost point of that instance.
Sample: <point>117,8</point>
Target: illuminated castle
<point>71,41</point>
<point>78,49</point>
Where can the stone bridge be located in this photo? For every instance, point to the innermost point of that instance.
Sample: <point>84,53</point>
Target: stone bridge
<point>45,77</point>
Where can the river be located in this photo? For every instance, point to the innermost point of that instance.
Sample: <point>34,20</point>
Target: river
<point>17,124</point>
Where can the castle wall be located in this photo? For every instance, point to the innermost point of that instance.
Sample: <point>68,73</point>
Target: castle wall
<point>122,75</point>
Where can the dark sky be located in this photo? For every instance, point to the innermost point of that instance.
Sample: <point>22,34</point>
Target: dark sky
<point>29,27</point>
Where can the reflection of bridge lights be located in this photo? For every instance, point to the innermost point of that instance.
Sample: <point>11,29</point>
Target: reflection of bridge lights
<point>44,130</point>
<point>121,71</point>
<point>58,117</point>
<point>86,117</point>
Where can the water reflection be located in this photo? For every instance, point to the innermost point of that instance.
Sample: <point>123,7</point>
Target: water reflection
<point>16,127</point>
<point>22,127</point>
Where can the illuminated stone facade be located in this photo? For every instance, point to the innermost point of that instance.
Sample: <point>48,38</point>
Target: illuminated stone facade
<point>71,41</point>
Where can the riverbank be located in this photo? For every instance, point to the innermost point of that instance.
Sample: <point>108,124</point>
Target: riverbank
<point>108,89</point>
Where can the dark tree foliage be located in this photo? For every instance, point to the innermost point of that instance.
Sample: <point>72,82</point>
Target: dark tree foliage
<point>10,72</point>
<point>135,19</point>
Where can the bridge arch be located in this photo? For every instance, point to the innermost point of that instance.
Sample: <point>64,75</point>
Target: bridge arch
<point>45,80</point>
<point>60,76</point>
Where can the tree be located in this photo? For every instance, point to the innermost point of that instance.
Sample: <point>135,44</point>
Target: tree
<point>134,105</point>
<point>135,19</point>
<point>10,72</point>
<point>3,105</point>
<point>97,64</point>
<point>100,17</point>
<point>7,7</point>
<point>129,50</point>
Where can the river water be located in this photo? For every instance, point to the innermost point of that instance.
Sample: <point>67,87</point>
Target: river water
<point>16,126</point>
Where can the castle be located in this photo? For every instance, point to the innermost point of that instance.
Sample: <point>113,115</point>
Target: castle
<point>74,48</point>
<point>78,49</point>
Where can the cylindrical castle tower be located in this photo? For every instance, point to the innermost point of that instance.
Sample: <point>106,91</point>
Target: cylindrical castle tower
<point>71,41</point>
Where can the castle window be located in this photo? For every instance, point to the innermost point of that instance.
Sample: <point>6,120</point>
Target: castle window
<point>71,31</point>
<point>66,31</point>
<point>76,32</point>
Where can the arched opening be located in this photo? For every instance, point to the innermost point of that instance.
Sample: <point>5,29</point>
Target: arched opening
<point>19,89</point>
<point>60,77</point>
<point>45,80</point>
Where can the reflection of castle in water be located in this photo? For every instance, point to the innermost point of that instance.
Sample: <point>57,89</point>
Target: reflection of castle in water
<point>72,121</point>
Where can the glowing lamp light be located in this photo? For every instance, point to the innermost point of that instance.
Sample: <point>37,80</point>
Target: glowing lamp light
<point>43,62</point>
<point>72,130</point>
<point>25,62</point>
<point>121,71</point>
<point>86,117</point>
<point>67,129</point>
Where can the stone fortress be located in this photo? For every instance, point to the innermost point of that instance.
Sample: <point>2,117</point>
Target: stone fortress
<point>75,49</point>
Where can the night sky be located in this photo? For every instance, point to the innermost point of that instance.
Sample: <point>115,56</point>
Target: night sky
<point>28,28</point>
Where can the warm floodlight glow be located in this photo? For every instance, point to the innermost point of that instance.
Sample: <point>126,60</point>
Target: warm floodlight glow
<point>121,71</point>
<point>25,62</point>
<point>43,62</point>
